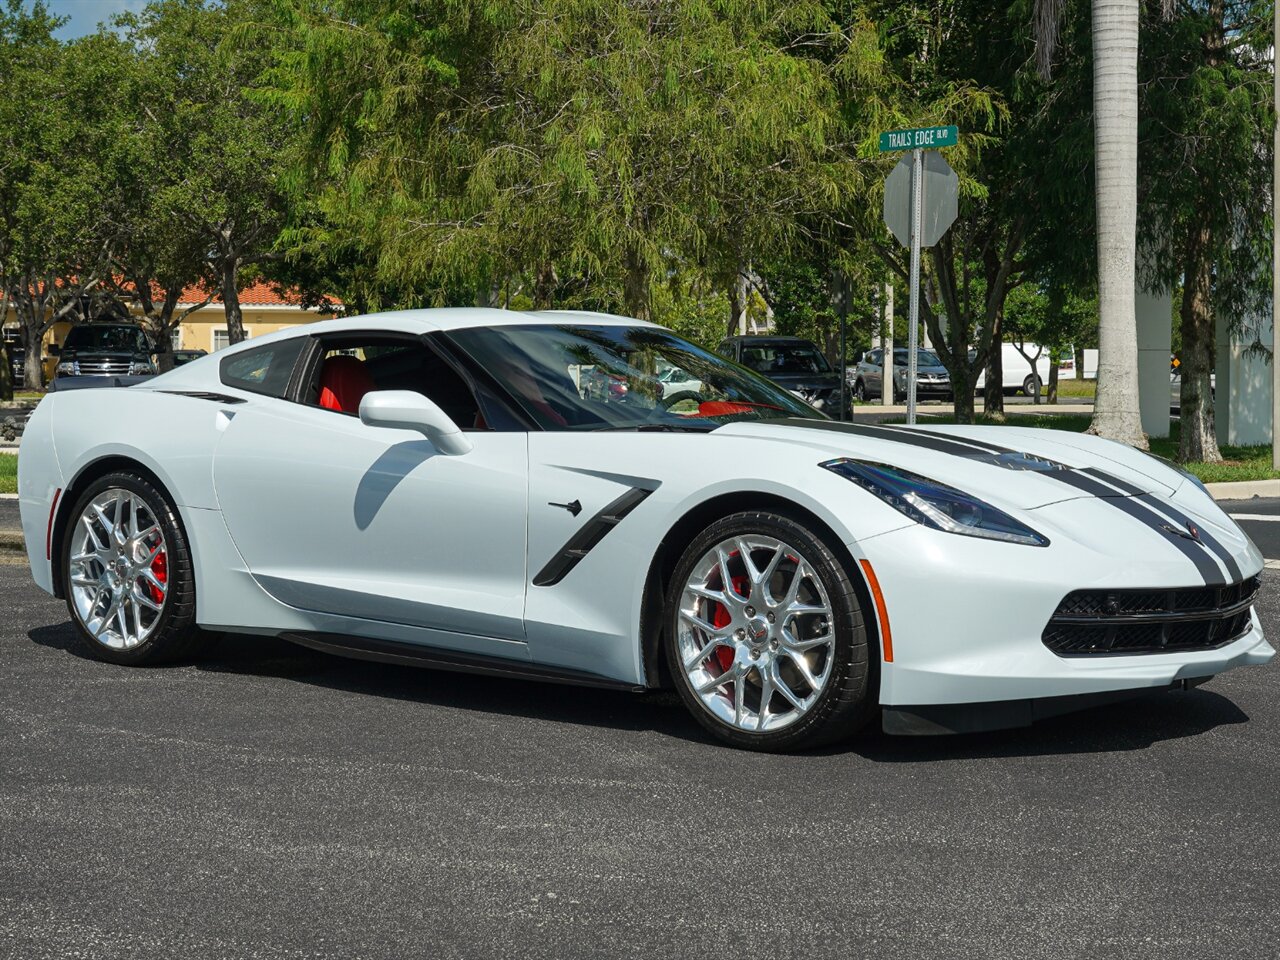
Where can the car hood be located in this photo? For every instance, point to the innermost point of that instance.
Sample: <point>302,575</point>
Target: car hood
<point>805,381</point>
<point>1015,467</point>
<point>78,353</point>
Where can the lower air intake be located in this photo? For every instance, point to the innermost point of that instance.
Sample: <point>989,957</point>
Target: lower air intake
<point>1114,622</point>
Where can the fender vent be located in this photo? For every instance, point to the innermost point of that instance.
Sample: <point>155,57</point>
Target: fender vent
<point>592,532</point>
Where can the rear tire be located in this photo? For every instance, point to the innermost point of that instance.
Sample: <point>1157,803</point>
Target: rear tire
<point>790,619</point>
<point>860,390</point>
<point>1031,386</point>
<point>128,575</point>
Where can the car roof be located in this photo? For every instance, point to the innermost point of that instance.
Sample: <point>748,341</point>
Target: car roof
<point>432,320</point>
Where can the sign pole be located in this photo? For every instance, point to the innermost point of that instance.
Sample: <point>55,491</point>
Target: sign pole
<point>844,366</point>
<point>1275,266</point>
<point>913,297</point>
<point>886,360</point>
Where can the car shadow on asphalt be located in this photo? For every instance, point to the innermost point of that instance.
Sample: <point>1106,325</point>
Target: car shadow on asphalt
<point>1129,725</point>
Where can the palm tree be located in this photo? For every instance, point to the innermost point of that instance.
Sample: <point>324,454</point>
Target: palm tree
<point>1115,108</point>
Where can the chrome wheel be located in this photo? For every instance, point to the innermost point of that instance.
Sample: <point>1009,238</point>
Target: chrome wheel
<point>118,569</point>
<point>756,633</point>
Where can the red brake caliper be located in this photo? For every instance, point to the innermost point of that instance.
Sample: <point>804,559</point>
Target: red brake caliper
<point>724,655</point>
<point>160,568</point>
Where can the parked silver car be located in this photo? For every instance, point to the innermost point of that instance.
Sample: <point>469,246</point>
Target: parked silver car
<point>932,379</point>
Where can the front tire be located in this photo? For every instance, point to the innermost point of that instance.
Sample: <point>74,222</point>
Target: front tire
<point>128,575</point>
<point>1030,386</point>
<point>765,635</point>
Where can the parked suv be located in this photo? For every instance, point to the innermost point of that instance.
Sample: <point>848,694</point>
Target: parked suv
<point>105,350</point>
<point>793,363</point>
<point>932,379</point>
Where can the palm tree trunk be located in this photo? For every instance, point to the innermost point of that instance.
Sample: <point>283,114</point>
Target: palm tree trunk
<point>1115,107</point>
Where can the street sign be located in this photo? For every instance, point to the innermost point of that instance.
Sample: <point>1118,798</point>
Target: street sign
<point>919,207</point>
<point>920,138</point>
<point>940,187</point>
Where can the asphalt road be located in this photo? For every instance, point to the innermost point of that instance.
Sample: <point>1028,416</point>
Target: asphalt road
<point>273,802</point>
<point>1260,518</point>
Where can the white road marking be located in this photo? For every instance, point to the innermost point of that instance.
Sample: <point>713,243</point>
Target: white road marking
<point>1255,516</point>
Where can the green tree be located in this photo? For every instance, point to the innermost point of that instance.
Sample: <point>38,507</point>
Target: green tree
<point>961,61</point>
<point>1206,159</point>
<point>595,141</point>
<point>215,201</point>
<point>58,229</point>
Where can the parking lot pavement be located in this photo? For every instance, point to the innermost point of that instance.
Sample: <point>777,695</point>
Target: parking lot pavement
<point>274,802</point>
<point>1260,518</point>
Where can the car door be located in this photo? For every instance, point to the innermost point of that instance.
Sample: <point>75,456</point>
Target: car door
<point>376,525</point>
<point>871,376</point>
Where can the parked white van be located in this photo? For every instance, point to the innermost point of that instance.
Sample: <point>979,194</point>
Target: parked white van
<point>1017,370</point>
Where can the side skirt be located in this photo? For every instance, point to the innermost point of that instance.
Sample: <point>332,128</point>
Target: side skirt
<point>943,718</point>
<point>435,658</point>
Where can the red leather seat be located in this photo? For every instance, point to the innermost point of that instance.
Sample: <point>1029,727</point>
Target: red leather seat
<point>343,383</point>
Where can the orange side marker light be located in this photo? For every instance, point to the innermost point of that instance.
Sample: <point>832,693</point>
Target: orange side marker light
<point>882,615</point>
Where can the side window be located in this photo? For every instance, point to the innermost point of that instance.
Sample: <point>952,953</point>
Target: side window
<point>264,370</point>
<point>353,365</point>
<point>725,350</point>
<point>874,356</point>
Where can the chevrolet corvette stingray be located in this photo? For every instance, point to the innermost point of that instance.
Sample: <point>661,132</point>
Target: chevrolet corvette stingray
<point>522,494</point>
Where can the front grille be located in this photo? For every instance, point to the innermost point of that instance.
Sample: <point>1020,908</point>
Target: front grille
<point>1100,622</point>
<point>104,368</point>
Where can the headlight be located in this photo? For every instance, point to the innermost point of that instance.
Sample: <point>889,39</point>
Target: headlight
<point>935,504</point>
<point>141,368</point>
<point>68,368</point>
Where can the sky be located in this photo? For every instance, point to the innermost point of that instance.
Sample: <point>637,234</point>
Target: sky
<point>85,15</point>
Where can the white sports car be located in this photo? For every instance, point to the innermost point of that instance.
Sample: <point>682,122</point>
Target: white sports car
<point>448,488</point>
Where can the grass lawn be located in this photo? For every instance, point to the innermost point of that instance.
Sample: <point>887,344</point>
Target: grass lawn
<point>1239,463</point>
<point>27,395</point>
<point>8,473</point>
<point>1074,388</point>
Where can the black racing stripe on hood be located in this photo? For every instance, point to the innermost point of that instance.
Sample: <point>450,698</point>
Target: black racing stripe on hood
<point>1204,563</point>
<point>1208,539</point>
<point>1113,491</point>
<point>969,441</point>
<point>896,434</point>
<point>1205,537</point>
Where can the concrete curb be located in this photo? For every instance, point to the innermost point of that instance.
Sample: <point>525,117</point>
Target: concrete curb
<point>1244,489</point>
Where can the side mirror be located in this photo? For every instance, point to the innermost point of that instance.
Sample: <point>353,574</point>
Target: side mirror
<point>407,410</point>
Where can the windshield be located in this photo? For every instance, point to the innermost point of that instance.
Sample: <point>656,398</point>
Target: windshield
<point>924,358</point>
<point>608,377</point>
<point>126,339</point>
<point>774,358</point>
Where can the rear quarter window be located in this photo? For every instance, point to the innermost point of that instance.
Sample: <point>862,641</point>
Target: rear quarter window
<point>266,370</point>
